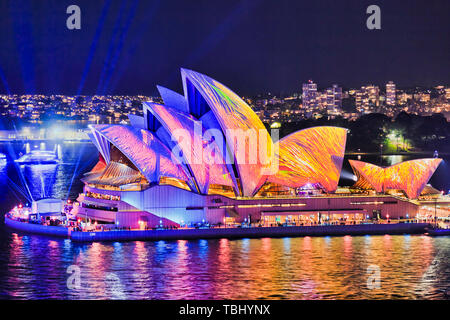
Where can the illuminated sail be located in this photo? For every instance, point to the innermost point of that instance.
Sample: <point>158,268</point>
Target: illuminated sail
<point>143,149</point>
<point>369,175</point>
<point>189,135</point>
<point>409,176</point>
<point>236,117</point>
<point>311,156</point>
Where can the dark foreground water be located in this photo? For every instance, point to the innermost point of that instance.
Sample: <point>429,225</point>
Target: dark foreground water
<point>410,267</point>
<point>290,268</point>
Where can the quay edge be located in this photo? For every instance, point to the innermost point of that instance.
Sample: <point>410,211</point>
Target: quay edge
<point>216,233</point>
<point>61,232</point>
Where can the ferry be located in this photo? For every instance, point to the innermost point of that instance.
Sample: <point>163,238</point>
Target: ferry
<point>39,157</point>
<point>439,230</point>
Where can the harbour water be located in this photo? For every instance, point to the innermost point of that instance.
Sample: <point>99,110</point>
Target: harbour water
<point>411,267</point>
<point>32,266</point>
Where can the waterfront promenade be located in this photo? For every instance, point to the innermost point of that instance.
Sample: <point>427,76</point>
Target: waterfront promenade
<point>214,233</point>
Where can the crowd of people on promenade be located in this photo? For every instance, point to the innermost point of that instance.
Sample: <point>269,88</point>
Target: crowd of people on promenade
<point>94,226</point>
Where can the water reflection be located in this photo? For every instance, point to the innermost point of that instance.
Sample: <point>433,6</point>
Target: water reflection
<point>50,180</point>
<point>40,178</point>
<point>288,268</point>
<point>393,159</point>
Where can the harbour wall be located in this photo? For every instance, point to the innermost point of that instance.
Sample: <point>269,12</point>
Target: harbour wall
<point>37,228</point>
<point>215,233</point>
<point>261,232</point>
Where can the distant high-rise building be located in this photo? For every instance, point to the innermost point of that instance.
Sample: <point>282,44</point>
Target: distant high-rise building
<point>334,99</point>
<point>373,95</point>
<point>447,93</point>
<point>402,98</point>
<point>358,99</point>
<point>309,95</point>
<point>338,95</point>
<point>366,98</point>
<point>390,93</point>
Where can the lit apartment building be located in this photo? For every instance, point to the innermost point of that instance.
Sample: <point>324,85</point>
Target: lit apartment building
<point>390,93</point>
<point>309,94</point>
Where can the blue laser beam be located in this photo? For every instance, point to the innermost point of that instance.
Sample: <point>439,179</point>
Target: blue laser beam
<point>143,27</point>
<point>106,64</point>
<point>12,155</point>
<point>21,13</point>
<point>17,188</point>
<point>15,195</point>
<point>118,49</point>
<point>217,35</point>
<point>75,171</point>
<point>5,83</point>
<point>94,44</point>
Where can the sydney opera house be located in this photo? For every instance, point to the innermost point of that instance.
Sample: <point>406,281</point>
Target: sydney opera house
<point>206,157</point>
<point>409,176</point>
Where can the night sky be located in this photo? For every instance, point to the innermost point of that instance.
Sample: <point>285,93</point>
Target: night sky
<point>252,46</point>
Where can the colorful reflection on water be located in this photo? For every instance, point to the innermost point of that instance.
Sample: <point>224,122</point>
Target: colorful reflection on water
<point>289,268</point>
<point>412,267</point>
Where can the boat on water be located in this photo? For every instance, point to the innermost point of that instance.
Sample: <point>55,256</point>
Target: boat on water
<point>45,211</point>
<point>2,158</point>
<point>438,232</point>
<point>39,157</point>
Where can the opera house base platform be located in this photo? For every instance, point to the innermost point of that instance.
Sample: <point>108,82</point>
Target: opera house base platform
<point>217,233</point>
<point>170,206</point>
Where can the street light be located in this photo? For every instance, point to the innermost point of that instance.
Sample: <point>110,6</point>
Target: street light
<point>381,153</point>
<point>435,213</point>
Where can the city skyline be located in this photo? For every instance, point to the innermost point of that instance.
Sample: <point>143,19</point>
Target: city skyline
<point>312,102</point>
<point>298,89</point>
